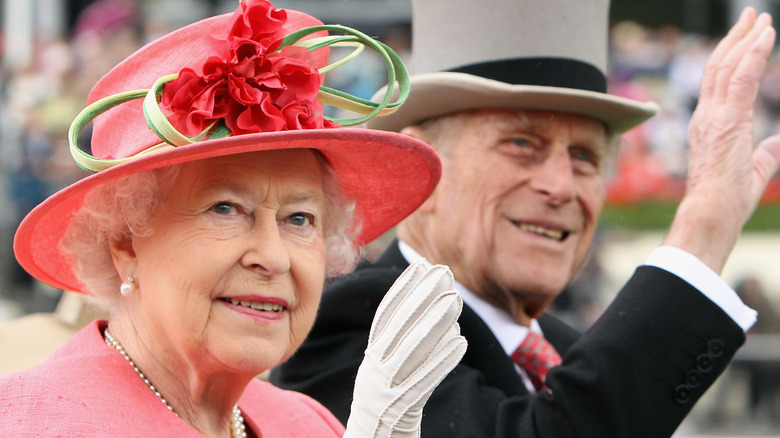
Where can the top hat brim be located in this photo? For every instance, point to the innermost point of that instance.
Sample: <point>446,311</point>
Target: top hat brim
<point>375,169</point>
<point>440,93</point>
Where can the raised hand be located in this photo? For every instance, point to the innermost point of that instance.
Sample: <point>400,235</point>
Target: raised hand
<point>413,344</point>
<point>726,174</point>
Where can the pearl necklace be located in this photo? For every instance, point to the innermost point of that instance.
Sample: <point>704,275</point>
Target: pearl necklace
<point>237,426</point>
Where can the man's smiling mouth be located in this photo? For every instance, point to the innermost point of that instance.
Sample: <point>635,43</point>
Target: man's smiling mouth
<point>266,307</point>
<point>558,235</point>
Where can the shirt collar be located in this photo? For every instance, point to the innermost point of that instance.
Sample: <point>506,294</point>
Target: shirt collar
<point>508,332</point>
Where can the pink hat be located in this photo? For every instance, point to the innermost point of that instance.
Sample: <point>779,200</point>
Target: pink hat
<point>231,84</point>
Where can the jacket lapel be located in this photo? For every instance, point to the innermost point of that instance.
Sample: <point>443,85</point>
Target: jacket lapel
<point>484,352</point>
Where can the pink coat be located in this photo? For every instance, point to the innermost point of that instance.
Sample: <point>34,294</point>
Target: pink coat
<point>87,389</point>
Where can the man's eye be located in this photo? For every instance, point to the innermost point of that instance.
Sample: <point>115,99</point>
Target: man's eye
<point>300,219</point>
<point>586,161</point>
<point>521,142</point>
<point>584,155</point>
<point>223,208</point>
<point>581,156</point>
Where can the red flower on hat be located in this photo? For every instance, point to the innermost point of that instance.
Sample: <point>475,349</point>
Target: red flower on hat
<point>246,83</point>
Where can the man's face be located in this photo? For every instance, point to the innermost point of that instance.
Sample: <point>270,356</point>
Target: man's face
<point>517,205</point>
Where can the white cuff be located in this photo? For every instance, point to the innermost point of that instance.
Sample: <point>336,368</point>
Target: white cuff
<point>697,274</point>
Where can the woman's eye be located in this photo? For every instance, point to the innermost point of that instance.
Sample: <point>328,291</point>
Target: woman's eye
<point>300,219</point>
<point>223,208</point>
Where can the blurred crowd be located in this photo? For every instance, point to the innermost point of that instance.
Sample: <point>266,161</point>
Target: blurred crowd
<point>37,104</point>
<point>665,65</point>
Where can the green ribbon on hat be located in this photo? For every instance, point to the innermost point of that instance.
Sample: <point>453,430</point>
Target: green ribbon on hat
<point>171,137</point>
<point>396,71</point>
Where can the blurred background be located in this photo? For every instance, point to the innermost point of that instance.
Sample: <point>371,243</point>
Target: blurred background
<point>53,51</point>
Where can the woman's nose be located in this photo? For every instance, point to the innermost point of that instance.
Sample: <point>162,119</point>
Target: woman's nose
<point>266,251</point>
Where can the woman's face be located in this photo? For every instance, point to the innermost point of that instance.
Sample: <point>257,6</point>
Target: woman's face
<point>232,274</point>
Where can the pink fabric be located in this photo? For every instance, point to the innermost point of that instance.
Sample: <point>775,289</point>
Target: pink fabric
<point>87,389</point>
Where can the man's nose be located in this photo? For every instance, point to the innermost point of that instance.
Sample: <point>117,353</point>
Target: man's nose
<point>554,178</point>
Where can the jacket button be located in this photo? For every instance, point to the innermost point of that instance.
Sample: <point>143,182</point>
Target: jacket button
<point>693,378</point>
<point>715,347</point>
<point>704,363</point>
<point>681,394</point>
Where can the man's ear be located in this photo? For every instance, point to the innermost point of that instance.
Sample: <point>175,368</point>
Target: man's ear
<point>123,255</point>
<point>416,132</point>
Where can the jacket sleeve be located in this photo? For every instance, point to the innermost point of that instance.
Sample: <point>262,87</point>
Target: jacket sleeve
<point>636,373</point>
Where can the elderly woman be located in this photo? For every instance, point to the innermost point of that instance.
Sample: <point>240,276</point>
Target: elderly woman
<point>218,206</point>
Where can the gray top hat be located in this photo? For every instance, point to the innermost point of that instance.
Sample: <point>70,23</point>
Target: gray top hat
<point>547,55</point>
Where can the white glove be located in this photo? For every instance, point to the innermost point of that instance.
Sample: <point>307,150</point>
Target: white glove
<point>413,344</point>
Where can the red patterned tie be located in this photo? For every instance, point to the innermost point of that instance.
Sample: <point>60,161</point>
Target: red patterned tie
<point>536,356</point>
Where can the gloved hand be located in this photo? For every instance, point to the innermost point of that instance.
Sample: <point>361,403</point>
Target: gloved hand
<point>413,344</point>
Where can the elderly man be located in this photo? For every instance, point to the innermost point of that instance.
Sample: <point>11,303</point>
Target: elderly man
<point>525,131</point>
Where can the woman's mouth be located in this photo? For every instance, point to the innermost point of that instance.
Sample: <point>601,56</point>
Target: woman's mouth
<point>256,305</point>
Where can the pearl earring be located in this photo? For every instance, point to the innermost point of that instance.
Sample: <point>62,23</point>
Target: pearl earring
<point>127,287</point>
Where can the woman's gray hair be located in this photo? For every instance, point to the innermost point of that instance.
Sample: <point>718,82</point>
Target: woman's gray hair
<point>118,209</point>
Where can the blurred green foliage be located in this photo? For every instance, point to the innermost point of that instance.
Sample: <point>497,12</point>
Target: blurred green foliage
<point>658,215</point>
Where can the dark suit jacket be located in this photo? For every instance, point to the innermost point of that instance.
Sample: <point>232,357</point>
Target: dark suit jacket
<point>636,373</point>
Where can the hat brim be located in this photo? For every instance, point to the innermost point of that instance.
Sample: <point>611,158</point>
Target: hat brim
<point>387,175</point>
<point>436,94</point>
